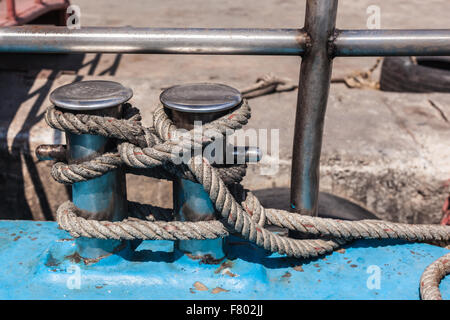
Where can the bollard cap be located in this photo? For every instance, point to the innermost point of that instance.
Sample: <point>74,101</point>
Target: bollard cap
<point>90,95</point>
<point>201,98</point>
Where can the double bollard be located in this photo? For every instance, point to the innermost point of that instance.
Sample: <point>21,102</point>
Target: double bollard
<point>104,197</point>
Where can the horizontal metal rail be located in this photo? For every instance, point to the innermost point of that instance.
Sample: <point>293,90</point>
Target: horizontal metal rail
<point>392,43</point>
<point>50,39</point>
<point>318,43</point>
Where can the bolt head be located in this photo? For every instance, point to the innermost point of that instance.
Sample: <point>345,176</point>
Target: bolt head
<point>201,98</point>
<point>90,95</point>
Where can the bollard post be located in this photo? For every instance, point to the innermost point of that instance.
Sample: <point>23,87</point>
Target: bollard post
<point>102,198</point>
<point>187,104</point>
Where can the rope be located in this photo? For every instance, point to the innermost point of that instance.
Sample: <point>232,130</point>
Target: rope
<point>133,228</point>
<point>90,169</point>
<point>128,129</point>
<point>432,276</point>
<point>361,79</point>
<point>144,147</point>
<point>156,152</point>
<point>267,84</point>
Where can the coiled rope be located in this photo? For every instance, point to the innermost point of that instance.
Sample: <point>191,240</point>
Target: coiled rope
<point>155,150</point>
<point>433,274</point>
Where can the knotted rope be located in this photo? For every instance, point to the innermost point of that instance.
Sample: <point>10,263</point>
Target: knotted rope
<point>156,150</point>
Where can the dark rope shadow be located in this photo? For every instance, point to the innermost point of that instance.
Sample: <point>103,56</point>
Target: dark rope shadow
<point>18,76</point>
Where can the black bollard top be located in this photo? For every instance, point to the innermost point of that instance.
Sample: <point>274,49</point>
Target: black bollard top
<point>90,95</point>
<point>201,98</point>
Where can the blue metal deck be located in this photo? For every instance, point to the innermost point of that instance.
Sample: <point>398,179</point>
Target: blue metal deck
<point>39,261</point>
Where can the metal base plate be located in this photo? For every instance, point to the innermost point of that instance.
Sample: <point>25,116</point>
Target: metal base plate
<point>39,261</point>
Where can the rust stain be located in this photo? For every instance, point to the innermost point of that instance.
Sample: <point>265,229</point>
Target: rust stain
<point>99,287</point>
<point>299,268</point>
<point>16,238</point>
<point>206,259</point>
<point>75,257</point>
<point>200,286</point>
<point>353,265</point>
<point>191,290</point>
<point>88,261</point>
<point>52,262</point>
<point>231,274</point>
<point>342,250</point>
<point>316,265</point>
<point>224,265</point>
<point>218,289</point>
<point>287,275</point>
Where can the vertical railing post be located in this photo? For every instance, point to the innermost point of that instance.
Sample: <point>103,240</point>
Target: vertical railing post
<point>314,84</point>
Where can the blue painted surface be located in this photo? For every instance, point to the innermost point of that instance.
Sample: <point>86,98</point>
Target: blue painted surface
<point>37,262</point>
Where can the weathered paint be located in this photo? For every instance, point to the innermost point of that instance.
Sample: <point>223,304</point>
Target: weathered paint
<point>36,258</point>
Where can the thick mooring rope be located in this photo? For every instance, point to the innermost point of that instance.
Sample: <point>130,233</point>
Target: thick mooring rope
<point>153,149</point>
<point>432,276</point>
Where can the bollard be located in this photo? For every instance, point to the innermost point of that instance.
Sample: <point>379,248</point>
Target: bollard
<point>102,198</point>
<point>187,104</point>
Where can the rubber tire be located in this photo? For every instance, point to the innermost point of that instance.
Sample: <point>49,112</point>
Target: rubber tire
<point>401,74</point>
<point>330,205</point>
<point>334,207</point>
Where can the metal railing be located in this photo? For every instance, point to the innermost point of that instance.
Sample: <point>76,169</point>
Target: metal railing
<point>318,43</point>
